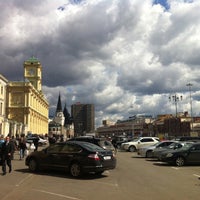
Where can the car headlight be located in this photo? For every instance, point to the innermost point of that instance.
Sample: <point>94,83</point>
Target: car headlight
<point>169,155</point>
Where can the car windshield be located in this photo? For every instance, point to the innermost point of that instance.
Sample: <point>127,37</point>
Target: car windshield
<point>135,140</point>
<point>91,147</point>
<point>156,144</point>
<point>151,145</point>
<point>171,146</point>
<point>186,145</point>
<point>105,143</point>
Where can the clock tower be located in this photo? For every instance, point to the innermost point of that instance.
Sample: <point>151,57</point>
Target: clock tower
<point>33,72</point>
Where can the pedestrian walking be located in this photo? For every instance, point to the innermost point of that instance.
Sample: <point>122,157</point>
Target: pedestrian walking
<point>14,143</point>
<point>1,140</point>
<point>1,143</point>
<point>36,142</point>
<point>22,147</point>
<point>6,150</point>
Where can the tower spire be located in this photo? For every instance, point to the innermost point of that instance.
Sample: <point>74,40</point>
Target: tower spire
<point>59,104</point>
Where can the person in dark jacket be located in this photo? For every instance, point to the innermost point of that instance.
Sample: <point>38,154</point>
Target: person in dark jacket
<point>36,142</point>
<point>22,147</point>
<point>7,150</point>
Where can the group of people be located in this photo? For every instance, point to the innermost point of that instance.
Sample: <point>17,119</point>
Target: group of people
<point>7,148</point>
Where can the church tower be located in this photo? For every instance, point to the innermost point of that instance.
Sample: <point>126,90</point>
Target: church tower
<point>59,116</point>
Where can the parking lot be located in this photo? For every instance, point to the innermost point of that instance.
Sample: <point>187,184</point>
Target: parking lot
<point>134,178</point>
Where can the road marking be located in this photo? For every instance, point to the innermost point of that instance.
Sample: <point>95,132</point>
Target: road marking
<point>59,195</point>
<point>110,184</point>
<point>104,183</point>
<point>196,175</point>
<point>23,180</point>
<point>176,168</point>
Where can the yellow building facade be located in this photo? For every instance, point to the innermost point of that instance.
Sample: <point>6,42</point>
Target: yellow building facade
<point>3,83</point>
<point>26,104</point>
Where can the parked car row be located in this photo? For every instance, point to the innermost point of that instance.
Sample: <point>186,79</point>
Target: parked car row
<point>82,155</point>
<point>187,154</point>
<point>173,146</point>
<point>178,153</point>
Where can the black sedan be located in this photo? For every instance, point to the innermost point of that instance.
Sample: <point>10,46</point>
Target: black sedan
<point>73,156</point>
<point>188,154</point>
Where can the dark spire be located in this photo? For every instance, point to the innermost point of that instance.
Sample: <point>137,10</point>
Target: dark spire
<point>65,111</point>
<point>59,105</point>
<point>68,119</point>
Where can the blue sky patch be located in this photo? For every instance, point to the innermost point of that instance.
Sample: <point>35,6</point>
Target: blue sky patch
<point>163,3</point>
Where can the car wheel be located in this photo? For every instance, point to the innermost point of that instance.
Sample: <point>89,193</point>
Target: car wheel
<point>149,154</point>
<point>33,165</point>
<point>180,161</point>
<point>132,149</point>
<point>75,169</point>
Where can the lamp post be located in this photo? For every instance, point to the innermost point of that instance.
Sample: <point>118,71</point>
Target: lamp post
<point>190,86</point>
<point>175,98</point>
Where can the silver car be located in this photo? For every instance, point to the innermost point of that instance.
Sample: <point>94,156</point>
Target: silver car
<point>140,142</point>
<point>147,151</point>
<point>175,145</point>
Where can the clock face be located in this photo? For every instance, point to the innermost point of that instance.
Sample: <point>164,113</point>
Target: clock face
<point>59,115</point>
<point>31,72</point>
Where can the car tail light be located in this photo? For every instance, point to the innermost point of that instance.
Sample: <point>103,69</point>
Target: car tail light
<point>94,156</point>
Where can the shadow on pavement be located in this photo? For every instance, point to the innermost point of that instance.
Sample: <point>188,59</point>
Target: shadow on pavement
<point>62,174</point>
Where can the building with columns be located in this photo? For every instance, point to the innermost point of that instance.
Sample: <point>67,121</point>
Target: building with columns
<point>3,83</point>
<point>26,106</point>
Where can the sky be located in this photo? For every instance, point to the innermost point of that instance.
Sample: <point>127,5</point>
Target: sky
<point>126,57</point>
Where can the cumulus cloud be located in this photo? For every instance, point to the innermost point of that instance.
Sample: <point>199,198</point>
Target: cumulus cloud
<point>126,57</point>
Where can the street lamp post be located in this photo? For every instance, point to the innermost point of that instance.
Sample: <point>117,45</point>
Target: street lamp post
<point>191,114</point>
<point>175,98</point>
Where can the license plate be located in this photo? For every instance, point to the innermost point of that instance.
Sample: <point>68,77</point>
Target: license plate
<point>107,157</point>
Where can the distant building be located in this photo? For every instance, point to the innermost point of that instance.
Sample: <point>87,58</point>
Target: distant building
<point>134,126</point>
<point>107,122</point>
<point>83,117</point>
<point>27,108</point>
<point>62,123</point>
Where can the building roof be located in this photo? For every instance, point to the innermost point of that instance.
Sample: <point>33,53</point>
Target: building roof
<point>3,78</point>
<point>32,60</point>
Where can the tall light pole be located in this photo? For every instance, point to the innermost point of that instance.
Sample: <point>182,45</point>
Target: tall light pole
<point>175,98</point>
<point>190,86</point>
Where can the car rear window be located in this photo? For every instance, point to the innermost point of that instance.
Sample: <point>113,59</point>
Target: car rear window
<point>91,147</point>
<point>55,148</point>
<point>105,143</point>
